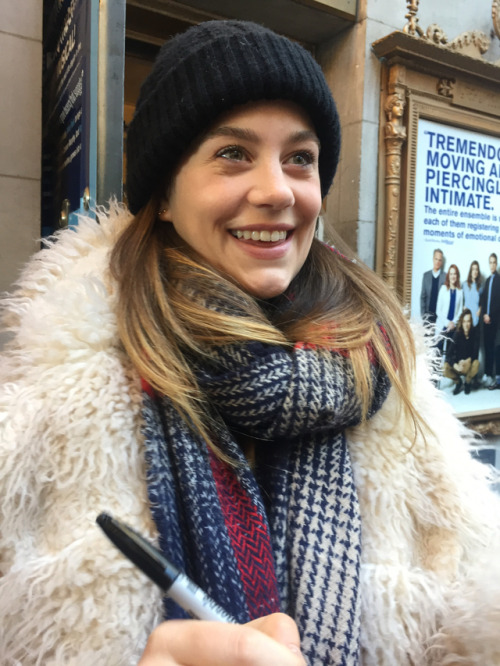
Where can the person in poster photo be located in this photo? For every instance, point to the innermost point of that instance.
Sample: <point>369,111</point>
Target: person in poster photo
<point>462,362</point>
<point>432,281</point>
<point>472,289</point>
<point>490,307</point>
<point>449,306</point>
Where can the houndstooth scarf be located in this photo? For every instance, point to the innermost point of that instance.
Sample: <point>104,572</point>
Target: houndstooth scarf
<point>284,534</point>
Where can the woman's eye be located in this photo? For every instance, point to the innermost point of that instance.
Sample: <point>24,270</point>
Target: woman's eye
<point>231,153</point>
<point>303,158</point>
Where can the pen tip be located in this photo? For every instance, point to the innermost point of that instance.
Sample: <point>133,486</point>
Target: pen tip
<point>103,519</point>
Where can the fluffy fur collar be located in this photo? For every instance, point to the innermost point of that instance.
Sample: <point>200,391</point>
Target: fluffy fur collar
<point>70,446</point>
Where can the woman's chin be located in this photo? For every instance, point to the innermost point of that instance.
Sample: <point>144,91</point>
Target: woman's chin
<point>266,290</point>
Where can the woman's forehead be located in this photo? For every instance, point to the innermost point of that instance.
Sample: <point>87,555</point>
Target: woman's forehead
<point>262,109</point>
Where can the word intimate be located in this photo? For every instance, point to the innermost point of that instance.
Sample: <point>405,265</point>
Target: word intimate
<point>461,171</point>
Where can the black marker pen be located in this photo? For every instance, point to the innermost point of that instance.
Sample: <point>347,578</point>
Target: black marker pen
<point>162,572</point>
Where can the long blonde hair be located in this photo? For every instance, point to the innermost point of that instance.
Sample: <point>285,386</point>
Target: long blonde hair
<point>337,303</point>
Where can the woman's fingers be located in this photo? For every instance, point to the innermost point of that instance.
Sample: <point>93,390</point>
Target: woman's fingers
<point>281,628</point>
<point>267,641</point>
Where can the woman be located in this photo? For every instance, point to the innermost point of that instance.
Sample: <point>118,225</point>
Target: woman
<point>264,437</point>
<point>472,292</point>
<point>461,363</point>
<point>449,306</point>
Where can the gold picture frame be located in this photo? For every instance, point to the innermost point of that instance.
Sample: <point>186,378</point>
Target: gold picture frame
<point>424,83</point>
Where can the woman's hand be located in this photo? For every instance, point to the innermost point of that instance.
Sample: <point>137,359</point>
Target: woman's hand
<point>267,641</point>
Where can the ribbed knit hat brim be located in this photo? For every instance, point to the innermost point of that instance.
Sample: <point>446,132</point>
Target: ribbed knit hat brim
<point>206,71</point>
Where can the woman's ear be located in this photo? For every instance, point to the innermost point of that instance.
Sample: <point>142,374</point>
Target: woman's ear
<point>164,211</point>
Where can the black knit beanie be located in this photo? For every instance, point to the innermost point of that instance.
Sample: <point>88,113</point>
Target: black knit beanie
<point>206,71</point>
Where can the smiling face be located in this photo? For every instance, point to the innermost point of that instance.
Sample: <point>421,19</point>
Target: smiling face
<point>247,198</point>
<point>467,324</point>
<point>453,276</point>
<point>437,261</point>
<point>474,271</point>
<point>493,264</point>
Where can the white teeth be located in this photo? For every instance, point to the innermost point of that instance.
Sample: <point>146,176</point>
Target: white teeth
<point>265,236</point>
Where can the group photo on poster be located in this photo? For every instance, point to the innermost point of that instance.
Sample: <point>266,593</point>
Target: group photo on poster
<point>456,246</point>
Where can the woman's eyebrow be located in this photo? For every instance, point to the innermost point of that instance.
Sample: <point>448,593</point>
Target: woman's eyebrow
<point>234,132</point>
<point>304,135</point>
<point>249,135</point>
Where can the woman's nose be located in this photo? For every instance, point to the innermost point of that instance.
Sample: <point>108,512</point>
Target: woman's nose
<point>271,186</point>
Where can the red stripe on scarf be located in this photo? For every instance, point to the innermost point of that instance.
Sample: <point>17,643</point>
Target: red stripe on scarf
<point>250,541</point>
<point>147,388</point>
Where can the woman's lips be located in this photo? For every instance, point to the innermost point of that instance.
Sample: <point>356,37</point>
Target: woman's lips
<point>264,249</point>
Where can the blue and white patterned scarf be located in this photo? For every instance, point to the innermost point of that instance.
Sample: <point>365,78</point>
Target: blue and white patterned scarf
<point>284,533</point>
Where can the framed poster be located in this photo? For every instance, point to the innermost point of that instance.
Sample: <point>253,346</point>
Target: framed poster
<point>452,247</point>
<point>439,181</point>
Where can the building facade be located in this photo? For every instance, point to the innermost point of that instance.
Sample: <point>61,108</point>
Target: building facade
<point>393,65</point>
<point>341,36</point>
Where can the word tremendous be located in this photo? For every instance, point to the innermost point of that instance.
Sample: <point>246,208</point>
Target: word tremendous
<point>461,172</point>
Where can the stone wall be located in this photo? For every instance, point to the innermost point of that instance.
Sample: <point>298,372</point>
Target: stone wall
<point>20,135</point>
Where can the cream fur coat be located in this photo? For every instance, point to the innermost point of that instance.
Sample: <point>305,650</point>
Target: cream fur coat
<point>70,447</point>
